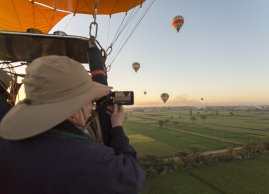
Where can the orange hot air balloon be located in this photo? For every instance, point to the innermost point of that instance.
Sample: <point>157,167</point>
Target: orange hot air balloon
<point>164,97</point>
<point>20,16</point>
<point>136,66</point>
<point>177,22</point>
<point>43,15</point>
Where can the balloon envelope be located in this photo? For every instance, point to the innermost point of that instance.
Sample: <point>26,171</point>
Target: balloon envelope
<point>145,92</point>
<point>136,66</point>
<point>24,15</point>
<point>164,97</point>
<point>43,15</point>
<point>177,22</point>
<point>105,7</point>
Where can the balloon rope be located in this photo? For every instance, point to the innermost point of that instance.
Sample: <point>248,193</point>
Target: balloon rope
<point>96,2</point>
<point>140,19</point>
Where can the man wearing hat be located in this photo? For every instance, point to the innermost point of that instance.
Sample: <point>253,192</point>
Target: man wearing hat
<point>5,80</point>
<point>43,147</point>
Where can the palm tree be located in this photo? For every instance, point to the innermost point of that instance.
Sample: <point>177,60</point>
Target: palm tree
<point>203,117</point>
<point>194,153</point>
<point>166,121</point>
<point>193,118</point>
<point>161,123</point>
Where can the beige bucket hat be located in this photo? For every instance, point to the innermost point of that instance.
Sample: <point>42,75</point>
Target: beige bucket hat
<point>56,87</point>
<point>5,79</point>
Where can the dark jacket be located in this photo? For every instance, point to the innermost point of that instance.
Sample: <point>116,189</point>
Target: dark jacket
<point>65,161</point>
<point>4,108</point>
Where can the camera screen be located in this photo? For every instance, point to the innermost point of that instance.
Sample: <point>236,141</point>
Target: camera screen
<point>124,98</point>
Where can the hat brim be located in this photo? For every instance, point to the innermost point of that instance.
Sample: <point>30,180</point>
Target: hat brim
<point>24,121</point>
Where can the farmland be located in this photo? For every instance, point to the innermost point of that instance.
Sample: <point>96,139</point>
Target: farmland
<point>236,177</point>
<point>163,132</point>
<point>227,128</point>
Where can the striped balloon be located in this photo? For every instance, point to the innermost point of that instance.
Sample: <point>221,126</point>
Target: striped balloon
<point>177,22</point>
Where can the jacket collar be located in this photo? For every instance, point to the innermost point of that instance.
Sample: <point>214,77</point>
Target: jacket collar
<point>68,129</point>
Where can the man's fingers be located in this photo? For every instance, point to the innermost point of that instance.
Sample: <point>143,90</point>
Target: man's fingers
<point>109,110</point>
<point>115,108</point>
<point>120,108</point>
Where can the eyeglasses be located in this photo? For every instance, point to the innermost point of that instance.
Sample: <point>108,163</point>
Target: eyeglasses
<point>93,106</point>
<point>90,108</point>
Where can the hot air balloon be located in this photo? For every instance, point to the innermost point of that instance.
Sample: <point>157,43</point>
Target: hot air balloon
<point>164,97</point>
<point>145,92</point>
<point>44,14</point>
<point>24,15</point>
<point>136,66</point>
<point>202,99</point>
<point>177,22</point>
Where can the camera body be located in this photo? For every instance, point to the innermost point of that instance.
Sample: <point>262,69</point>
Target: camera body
<point>118,97</point>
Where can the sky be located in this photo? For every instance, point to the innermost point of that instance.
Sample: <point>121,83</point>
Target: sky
<point>220,54</point>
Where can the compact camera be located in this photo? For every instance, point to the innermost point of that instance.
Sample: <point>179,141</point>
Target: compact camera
<point>118,97</point>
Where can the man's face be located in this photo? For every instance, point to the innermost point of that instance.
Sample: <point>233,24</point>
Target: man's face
<point>82,117</point>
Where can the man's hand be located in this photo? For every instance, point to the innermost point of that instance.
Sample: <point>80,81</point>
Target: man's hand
<point>116,113</point>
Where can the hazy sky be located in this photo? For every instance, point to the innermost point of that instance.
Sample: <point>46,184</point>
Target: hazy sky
<point>220,53</point>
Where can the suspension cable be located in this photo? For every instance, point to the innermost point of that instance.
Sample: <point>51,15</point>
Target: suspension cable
<point>127,30</point>
<point>128,23</point>
<point>138,22</point>
<point>123,26</point>
<point>67,23</point>
<point>13,85</point>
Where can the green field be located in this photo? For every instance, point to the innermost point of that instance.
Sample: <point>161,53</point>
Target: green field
<point>215,132</point>
<point>236,177</point>
<point>222,128</point>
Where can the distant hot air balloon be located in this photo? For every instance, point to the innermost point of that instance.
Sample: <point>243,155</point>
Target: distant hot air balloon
<point>177,22</point>
<point>202,99</point>
<point>164,97</point>
<point>136,66</point>
<point>145,92</point>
